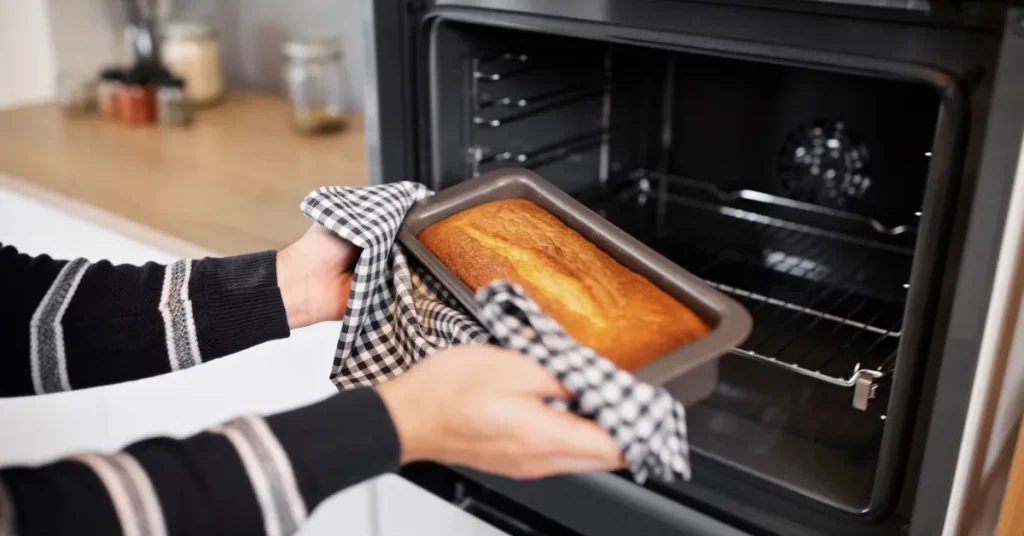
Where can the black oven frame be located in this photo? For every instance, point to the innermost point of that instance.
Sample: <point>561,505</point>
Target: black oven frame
<point>975,56</point>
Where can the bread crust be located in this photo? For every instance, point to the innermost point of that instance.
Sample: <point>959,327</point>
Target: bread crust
<point>599,302</point>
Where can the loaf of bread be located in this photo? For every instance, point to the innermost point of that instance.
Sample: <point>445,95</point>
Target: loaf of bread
<point>600,303</point>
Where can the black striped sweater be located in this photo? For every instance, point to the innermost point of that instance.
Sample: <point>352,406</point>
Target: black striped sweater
<point>74,324</point>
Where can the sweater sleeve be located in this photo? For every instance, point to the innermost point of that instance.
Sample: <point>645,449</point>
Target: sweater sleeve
<point>248,476</point>
<point>74,324</point>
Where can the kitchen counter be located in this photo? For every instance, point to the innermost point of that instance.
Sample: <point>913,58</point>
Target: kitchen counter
<point>231,183</point>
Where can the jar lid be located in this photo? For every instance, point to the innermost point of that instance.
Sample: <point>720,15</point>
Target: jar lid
<point>312,47</point>
<point>169,81</point>
<point>113,73</point>
<point>136,77</point>
<point>189,28</point>
<point>144,73</point>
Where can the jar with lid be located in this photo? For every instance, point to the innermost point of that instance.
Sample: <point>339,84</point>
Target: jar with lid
<point>191,52</point>
<point>313,79</point>
<point>135,104</point>
<point>172,107</point>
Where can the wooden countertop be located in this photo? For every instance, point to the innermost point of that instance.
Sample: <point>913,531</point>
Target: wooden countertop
<point>1011,517</point>
<point>230,183</point>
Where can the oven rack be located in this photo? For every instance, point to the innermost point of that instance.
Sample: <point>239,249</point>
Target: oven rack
<point>839,224</point>
<point>832,368</point>
<point>513,109</point>
<point>826,289</point>
<point>512,88</point>
<point>542,155</point>
<point>499,67</point>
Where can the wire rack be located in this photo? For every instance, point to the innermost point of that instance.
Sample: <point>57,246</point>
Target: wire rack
<point>826,289</point>
<point>520,99</point>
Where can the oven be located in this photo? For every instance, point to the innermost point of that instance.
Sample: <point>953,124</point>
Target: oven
<point>842,168</point>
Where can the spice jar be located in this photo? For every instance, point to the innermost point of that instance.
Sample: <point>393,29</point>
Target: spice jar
<point>191,52</point>
<point>106,91</point>
<point>172,107</point>
<point>313,78</point>
<point>135,99</point>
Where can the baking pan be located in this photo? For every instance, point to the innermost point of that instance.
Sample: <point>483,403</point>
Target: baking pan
<point>691,369</point>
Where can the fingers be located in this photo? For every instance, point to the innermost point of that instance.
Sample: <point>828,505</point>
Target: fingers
<point>567,465</point>
<point>561,443</point>
<point>500,419</point>
<point>568,436</point>
<point>554,466</point>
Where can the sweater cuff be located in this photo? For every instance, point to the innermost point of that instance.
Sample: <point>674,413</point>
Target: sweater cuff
<point>237,303</point>
<point>338,442</point>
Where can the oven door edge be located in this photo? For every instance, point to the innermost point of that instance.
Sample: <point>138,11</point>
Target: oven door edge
<point>974,370</point>
<point>390,117</point>
<point>596,504</point>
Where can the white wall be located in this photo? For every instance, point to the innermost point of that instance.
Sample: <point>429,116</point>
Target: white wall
<point>42,40</point>
<point>28,71</point>
<point>86,35</point>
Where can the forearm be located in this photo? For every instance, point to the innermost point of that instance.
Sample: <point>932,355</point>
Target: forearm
<point>248,476</point>
<point>72,325</point>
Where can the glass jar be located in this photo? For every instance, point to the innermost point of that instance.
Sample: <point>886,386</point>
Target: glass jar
<point>172,107</point>
<point>191,52</point>
<point>313,80</point>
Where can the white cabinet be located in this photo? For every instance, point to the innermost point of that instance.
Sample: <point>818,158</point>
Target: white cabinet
<point>404,509</point>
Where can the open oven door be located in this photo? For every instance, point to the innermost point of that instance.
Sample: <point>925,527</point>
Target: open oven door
<point>398,129</point>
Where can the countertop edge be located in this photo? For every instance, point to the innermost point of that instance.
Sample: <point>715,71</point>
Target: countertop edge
<point>119,224</point>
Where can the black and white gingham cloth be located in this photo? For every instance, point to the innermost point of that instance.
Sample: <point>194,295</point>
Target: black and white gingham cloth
<point>398,314</point>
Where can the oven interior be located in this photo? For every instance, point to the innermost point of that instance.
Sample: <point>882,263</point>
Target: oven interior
<point>795,190</point>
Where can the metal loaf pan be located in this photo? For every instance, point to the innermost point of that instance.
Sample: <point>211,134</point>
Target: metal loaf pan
<point>690,371</point>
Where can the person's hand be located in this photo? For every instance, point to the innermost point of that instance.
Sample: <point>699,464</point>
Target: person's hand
<point>314,274</point>
<point>483,407</point>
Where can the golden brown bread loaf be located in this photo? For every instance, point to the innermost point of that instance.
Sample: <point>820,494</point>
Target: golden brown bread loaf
<point>599,302</point>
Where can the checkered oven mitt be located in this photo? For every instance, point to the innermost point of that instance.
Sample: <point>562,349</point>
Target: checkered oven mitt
<point>398,313</point>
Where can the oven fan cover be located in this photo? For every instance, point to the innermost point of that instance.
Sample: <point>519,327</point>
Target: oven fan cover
<point>823,162</point>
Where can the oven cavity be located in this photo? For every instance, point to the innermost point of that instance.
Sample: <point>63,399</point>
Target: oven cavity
<point>797,191</point>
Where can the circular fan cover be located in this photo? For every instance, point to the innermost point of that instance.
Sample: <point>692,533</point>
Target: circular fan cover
<point>824,163</point>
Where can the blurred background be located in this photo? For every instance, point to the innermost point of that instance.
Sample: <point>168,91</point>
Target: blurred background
<point>43,38</point>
